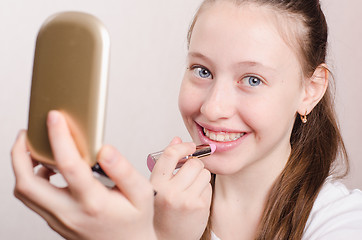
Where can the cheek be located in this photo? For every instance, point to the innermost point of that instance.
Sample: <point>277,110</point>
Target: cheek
<point>269,114</point>
<point>189,100</point>
<point>257,113</point>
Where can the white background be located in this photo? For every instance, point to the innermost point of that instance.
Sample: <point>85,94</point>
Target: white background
<point>147,64</point>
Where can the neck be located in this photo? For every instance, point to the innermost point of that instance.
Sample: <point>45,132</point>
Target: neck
<point>251,184</point>
<point>241,197</point>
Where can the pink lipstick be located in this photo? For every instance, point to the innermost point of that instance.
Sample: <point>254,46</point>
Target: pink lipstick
<point>202,151</point>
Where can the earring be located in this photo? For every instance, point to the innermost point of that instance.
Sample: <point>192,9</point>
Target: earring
<point>304,117</point>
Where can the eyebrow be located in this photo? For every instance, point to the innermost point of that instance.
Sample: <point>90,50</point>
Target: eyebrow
<point>241,63</point>
<point>198,55</point>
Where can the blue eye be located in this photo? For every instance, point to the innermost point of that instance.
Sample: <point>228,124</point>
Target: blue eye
<point>202,72</point>
<point>252,81</point>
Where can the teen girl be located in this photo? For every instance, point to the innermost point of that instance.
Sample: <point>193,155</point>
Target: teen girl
<point>257,86</point>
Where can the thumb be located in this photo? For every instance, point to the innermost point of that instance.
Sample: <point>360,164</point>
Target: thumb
<point>135,187</point>
<point>175,140</point>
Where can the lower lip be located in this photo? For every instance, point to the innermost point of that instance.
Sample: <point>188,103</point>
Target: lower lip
<point>220,146</point>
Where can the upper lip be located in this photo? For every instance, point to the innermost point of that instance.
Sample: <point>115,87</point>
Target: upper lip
<point>218,129</point>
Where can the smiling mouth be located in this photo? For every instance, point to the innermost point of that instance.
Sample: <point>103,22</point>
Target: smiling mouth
<point>222,136</point>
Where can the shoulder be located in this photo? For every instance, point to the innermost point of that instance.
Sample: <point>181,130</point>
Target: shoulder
<point>336,214</point>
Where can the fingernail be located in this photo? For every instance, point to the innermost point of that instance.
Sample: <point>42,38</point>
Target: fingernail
<point>53,117</point>
<point>175,140</point>
<point>108,155</point>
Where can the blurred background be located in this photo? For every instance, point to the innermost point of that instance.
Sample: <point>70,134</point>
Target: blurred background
<point>147,64</point>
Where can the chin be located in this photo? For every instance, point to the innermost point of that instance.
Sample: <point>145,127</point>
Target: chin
<point>217,166</point>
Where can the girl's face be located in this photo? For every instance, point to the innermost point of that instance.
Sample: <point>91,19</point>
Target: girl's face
<point>242,88</point>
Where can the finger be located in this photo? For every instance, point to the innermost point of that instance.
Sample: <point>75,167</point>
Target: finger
<point>74,169</point>
<point>36,208</point>
<point>188,173</point>
<point>21,161</point>
<point>28,186</point>
<point>136,188</point>
<point>53,221</point>
<point>61,140</point>
<point>175,140</point>
<point>40,193</point>
<point>151,161</point>
<point>206,194</point>
<point>166,164</point>
<point>201,182</point>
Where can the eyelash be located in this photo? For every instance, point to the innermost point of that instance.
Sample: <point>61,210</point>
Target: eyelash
<point>198,68</point>
<point>259,79</point>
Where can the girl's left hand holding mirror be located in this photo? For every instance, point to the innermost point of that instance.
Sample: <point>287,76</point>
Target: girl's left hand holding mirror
<point>85,209</point>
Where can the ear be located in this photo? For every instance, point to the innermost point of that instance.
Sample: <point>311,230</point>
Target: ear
<point>314,89</point>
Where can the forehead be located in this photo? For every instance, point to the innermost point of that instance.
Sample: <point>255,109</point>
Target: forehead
<point>247,32</point>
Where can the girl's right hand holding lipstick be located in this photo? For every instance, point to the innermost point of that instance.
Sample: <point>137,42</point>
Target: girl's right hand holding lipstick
<point>182,203</point>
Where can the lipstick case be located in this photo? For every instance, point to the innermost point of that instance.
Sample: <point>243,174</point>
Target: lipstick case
<point>203,150</point>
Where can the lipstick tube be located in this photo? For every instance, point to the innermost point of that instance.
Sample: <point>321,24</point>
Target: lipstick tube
<point>202,151</point>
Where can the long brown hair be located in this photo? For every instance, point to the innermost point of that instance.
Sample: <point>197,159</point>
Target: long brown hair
<point>315,146</point>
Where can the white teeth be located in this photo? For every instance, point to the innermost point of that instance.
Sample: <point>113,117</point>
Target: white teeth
<point>222,137</point>
<point>233,136</point>
<point>212,135</point>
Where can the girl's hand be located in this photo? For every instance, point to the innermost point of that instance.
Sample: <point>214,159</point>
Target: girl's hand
<point>182,203</point>
<point>85,209</point>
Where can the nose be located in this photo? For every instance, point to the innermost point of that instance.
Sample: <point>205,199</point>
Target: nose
<point>220,101</point>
